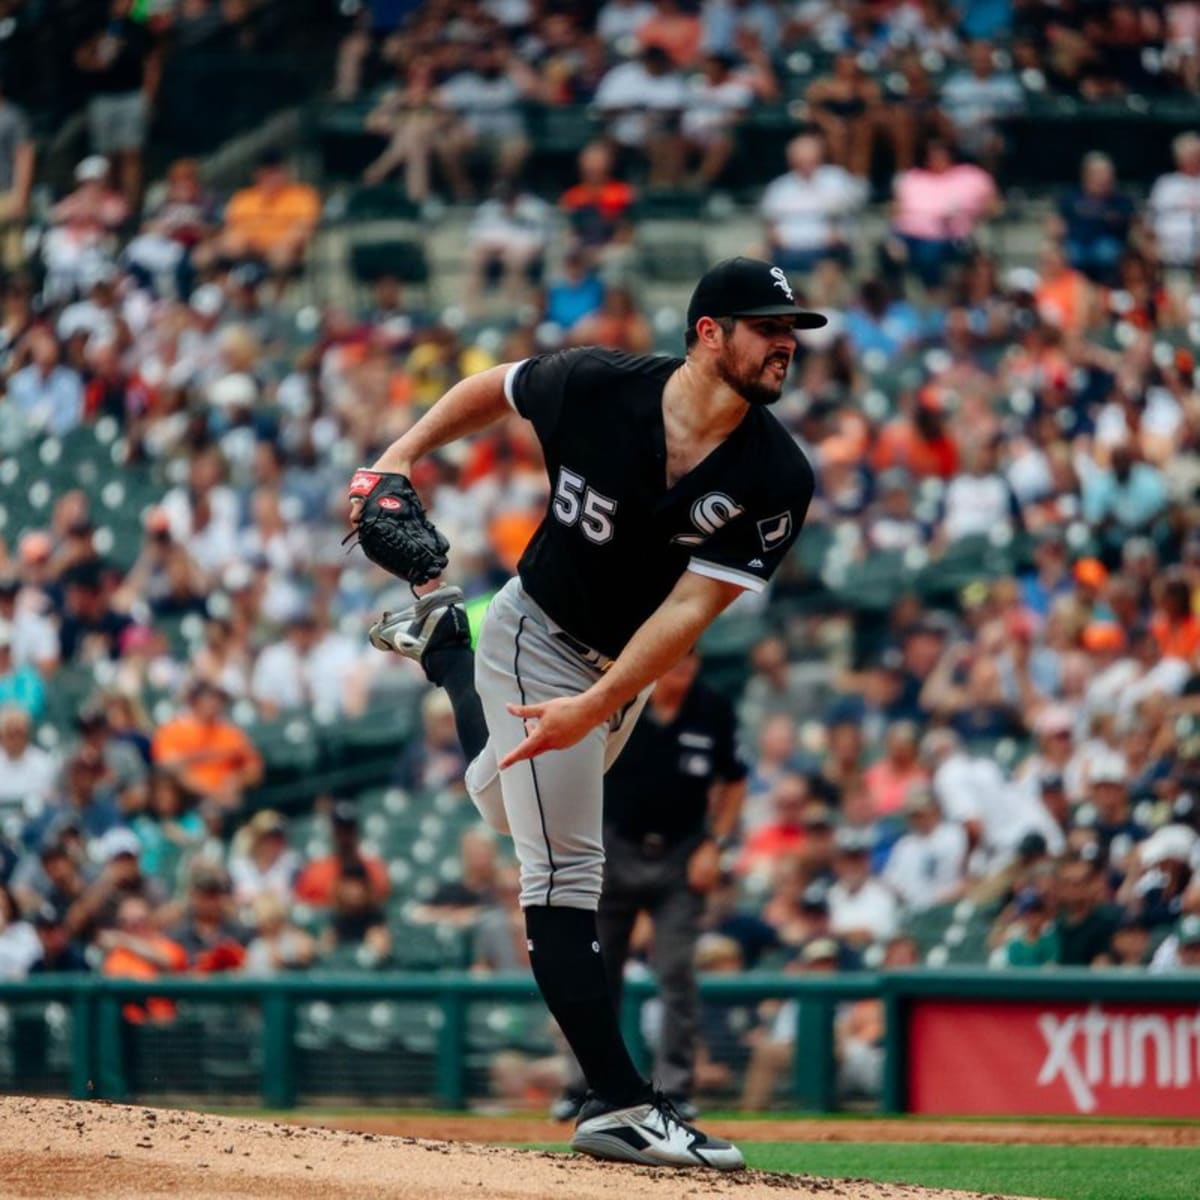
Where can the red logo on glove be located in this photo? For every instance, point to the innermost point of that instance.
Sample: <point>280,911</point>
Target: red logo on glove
<point>389,502</point>
<point>364,481</point>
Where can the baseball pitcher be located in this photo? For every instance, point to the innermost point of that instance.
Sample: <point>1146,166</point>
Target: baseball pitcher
<point>674,490</point>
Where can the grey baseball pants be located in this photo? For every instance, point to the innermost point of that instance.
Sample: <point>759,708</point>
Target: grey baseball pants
<point>552,805</point>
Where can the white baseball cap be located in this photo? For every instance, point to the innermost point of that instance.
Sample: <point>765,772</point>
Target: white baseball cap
<point>1108,768</point>
<point>233,391</point>
<point>1170,843</point>
<point>91,169</point>
<point>117,842</point>
<point>207,300</point>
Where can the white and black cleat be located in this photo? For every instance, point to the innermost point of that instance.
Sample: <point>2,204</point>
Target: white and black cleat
<point>437,618</point>
<point>653,1134</point>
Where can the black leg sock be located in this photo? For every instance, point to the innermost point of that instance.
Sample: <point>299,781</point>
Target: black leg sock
<point>453,668</point>
<point>569,971</point>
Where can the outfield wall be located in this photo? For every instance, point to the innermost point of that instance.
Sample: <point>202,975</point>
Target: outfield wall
<point>958,1042</point>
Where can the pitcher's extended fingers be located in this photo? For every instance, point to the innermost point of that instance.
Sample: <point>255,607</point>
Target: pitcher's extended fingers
<point>531,747</point>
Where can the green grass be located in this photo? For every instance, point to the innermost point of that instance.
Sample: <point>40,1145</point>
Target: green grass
<point>1047,1172</point>
<point>1044,1172</point>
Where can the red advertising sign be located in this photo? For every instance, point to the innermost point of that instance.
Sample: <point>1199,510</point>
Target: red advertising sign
<point>1126,1060</point>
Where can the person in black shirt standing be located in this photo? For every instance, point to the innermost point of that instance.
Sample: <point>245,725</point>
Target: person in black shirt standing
<point>674,490</point>
<point>124,67</point>
<point>670,801</point>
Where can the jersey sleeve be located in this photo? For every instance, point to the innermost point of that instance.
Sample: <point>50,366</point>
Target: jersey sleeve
<point>537,388</point>
<point>748,550</point>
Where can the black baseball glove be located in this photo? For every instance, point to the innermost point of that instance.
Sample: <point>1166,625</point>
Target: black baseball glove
<point>393,530</point>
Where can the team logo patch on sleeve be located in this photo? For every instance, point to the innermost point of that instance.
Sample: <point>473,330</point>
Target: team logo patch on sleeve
<point>708,514</point>
<point>774,530</point>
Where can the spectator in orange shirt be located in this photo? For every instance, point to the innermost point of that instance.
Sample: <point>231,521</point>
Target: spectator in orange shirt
<point>1065,297</point>
<point>618,325</point>
<point>920,443</point>
<point>888,780</point>
<point>674,30</point>
<point>136,950</point>
<point>786,833</point>
<point>273,220</point>
<point>317,883</point>
<point>598,206</point>
<point>207,753</point>
<point>211,936</point>
<point>1175,625</point>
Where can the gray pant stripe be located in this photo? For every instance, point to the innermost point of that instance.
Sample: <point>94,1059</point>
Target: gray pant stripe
<point>537,791</point>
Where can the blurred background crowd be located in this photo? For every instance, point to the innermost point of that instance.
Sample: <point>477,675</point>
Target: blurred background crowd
<point>969,703</point>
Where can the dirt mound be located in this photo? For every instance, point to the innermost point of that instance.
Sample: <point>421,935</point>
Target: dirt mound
<point>66,1149</point>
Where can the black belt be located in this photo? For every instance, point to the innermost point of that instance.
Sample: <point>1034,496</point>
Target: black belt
<point>654,845</point>
<point>593,657</point>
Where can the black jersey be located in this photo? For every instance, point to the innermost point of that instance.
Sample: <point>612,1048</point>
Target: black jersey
<point>616,539</point>
<point>660,782</point>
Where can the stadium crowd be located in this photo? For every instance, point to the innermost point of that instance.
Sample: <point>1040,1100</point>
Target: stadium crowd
<point>1020,744</point>
<point>670,78</point>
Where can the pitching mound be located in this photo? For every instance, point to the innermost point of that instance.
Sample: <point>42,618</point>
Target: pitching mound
<point>66,1149</point>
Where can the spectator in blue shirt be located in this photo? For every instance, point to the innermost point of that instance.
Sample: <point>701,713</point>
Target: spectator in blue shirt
<point>1124,497</point>
<point>19,685</point>
<point>48,395</point>
<point>1050,577</point>
<point>1094,220</point>
<point>985,18</point>
<point>878,322</point>
<point>978,97</point>
<point>83,803</point>
<point>577,293</point>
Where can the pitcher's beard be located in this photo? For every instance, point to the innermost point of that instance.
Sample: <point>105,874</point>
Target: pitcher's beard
<point>753,391</point>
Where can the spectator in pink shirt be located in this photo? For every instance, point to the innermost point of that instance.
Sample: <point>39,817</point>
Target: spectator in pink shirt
<point>888,781</point>
<point>936,210</point>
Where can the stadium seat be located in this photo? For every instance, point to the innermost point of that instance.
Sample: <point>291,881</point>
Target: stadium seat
<point>432,947</point>
<point>673,259</point>
<point>398,257</point>
<point>928,925</point>
<point>380,202</point>
<point>872,583</point>
<point>670,204</point>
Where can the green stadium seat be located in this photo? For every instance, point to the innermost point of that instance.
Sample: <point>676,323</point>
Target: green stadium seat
<point>812,547</point>
<point>402,258</point>
<point>872,583</point>
<point>732,636</point>
<point>929,925</point>
<point>345,959</point>
<point>492,1027</point>
<point>420,947</point>
<point>963,562</point>
<point>315,1025</point>
<point>288,745</point>
<point>380,202</point>
<point>561,130</point>
<point>966,942</point>
<point>672,259</point>
<point>670,204</point>
<point>373,1026</point>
